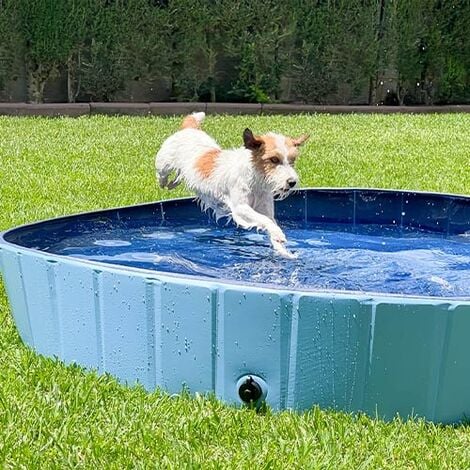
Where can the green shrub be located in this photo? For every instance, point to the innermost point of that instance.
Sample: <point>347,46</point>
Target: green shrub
<point>336,46</point>
<point>239,50</point>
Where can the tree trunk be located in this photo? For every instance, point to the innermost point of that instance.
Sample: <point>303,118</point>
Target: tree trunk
<point>212,60</point>
<point>73,82</point>
<point>37,81</point>
<point>379,37</point>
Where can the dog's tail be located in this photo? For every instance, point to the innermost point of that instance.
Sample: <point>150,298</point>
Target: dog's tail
<point>193,121</point>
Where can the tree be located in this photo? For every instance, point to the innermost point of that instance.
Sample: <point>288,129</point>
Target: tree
<point>336,45</point>
<point>263,50</point>
<point>11,44</point>
<point>50,29</point>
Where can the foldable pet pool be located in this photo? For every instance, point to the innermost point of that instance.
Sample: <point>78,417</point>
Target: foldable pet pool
<point>373,315</point>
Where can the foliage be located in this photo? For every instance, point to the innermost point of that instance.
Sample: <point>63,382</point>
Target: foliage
<point>262,52</point>
<point>428,45</point>
<point>48,28</point>
<point>10,41</point>
<point>323,51</point>
<point>336,47</point>
<point>126,41</point>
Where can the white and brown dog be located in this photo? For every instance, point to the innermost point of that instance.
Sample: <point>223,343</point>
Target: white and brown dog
<point>239,183</point>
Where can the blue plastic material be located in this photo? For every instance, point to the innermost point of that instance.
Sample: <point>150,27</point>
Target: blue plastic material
<point>382,354</point>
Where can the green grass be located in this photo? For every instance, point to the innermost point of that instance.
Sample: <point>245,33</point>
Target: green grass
<point>52,416</point>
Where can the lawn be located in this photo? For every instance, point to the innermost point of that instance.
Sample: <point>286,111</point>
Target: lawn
<point>53,416</point>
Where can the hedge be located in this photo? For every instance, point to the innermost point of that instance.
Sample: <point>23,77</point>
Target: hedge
<point>319,52</point>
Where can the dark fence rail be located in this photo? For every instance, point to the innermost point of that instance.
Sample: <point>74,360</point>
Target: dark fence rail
<point>171,109</point>
<point>323,52</point>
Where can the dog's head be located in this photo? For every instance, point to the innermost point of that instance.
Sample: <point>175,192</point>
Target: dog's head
<point>274,156</point>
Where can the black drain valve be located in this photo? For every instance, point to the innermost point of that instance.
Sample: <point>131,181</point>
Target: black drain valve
<point>252,390</point>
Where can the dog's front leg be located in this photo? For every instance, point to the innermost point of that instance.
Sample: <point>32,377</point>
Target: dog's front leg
<point>246,217</point>
<point>265,206</point>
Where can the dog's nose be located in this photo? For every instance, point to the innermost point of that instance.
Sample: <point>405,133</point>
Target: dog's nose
<point>291,182</point>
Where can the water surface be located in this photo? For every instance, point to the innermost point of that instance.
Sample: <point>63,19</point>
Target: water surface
<point>368,258</point>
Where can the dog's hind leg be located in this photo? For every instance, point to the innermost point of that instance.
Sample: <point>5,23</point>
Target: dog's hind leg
<point>163,174</point>
<point>176,181</point>
<point>162,178</point>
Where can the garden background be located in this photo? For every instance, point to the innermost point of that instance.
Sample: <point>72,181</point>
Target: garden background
<point>394,52</point>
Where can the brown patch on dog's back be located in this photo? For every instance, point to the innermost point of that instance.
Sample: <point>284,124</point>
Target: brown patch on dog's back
<point>205,164</point>
<point>190,122</point>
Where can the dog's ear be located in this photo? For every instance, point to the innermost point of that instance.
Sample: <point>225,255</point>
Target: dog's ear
<point>251,142</point>
<point>300,140</point>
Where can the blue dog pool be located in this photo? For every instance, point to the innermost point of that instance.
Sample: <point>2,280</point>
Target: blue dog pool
<point>373,315</point>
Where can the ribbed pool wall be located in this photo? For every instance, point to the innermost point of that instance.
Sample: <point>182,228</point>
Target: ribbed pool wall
<point>377,353</point>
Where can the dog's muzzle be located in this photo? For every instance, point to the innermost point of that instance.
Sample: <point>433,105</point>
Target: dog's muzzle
<point>291,183</point>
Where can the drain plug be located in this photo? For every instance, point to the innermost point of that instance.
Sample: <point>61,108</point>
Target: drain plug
<point>251,389</point>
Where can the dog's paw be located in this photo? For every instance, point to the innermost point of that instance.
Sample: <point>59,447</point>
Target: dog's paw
<point>282,250</point>
<point>289,255</point>
<point>277,235</point>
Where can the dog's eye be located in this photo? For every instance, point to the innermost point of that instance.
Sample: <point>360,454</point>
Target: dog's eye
<point>274,160</point>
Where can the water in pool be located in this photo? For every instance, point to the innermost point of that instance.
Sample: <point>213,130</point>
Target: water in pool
<point>370,258</point>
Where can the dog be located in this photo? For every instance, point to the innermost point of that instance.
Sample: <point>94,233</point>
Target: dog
<point>241,183</point>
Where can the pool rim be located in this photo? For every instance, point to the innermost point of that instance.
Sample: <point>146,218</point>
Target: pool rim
<point>203,280</point>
